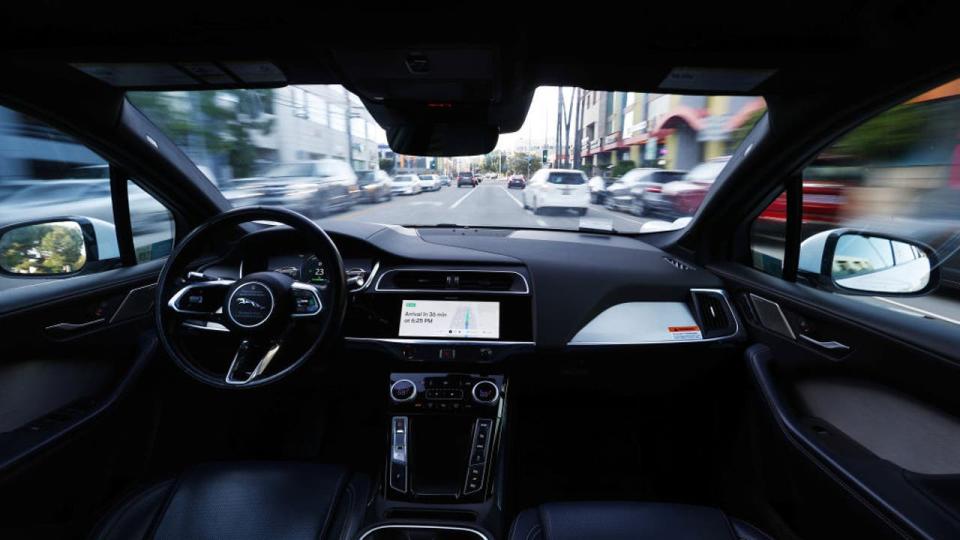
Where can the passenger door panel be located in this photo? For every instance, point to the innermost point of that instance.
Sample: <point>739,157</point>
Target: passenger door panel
<point>860,441</point>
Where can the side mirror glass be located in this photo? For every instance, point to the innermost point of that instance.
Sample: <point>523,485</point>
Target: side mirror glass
<point>867,263</point>
<point>45,249</point>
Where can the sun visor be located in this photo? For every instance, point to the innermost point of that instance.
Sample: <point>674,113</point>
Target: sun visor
<point>184,75</point>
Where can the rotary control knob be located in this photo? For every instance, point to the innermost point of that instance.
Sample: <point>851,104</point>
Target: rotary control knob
<point>403,390</point>
<point>485,393</point>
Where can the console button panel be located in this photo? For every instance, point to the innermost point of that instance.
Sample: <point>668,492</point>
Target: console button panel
<point>399,428</point>
<point>445,393</point>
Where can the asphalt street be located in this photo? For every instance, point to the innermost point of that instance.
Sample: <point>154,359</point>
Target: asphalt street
<point>489,204</point>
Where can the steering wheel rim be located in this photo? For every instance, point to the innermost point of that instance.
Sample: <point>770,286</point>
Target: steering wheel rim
<point>319,243</point>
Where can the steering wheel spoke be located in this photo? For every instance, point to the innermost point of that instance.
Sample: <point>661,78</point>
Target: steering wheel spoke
<point>306,300</point>
<point>252,358</point>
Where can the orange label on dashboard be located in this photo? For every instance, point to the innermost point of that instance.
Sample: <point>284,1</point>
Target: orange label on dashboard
<point>683,329</point>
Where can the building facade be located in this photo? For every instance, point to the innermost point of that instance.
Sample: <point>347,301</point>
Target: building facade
<point>660,130</point>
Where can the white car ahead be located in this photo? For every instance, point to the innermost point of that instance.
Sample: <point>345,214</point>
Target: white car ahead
<point>429,182</point>
<point>557,188</point>
<point>406,184</point>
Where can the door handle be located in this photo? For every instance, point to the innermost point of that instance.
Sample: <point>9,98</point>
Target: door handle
<point>832,346</point>
<point>64,329</point>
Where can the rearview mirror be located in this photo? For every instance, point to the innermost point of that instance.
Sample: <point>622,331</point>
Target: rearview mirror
<point>55,248</point>
<point>867,263</point>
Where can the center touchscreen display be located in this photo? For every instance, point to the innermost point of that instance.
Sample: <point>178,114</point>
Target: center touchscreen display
<point>450,319</point>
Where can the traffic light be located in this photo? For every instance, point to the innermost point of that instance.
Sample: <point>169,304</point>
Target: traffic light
<point>544,159</point>
<point>433,164</point>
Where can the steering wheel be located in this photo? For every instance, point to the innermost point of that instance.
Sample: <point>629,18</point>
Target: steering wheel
<point>273,322</point>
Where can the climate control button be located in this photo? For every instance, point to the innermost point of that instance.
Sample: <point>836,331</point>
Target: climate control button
<point>485,393</point>
<point>403,390</point>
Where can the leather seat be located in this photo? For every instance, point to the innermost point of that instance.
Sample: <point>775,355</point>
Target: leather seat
<point>245,500</point>
<point>629,520</point>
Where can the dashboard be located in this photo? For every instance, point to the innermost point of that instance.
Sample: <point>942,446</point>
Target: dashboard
<point>487,294</point>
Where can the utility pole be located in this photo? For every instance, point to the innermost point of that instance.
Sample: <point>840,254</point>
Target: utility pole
<point>568,116</point>
<point>556,160</point>
<point>349,114</point>
<point>578,130</point>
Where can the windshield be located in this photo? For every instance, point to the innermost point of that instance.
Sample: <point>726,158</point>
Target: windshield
<point>323,142</point>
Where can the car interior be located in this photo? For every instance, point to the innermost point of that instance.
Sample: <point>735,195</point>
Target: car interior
<point>269,370</point>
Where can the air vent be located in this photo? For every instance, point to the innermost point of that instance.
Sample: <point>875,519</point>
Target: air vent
<point>713,313</point>
<point>454,280</point>
<point>419,280</point>
<point>486,281</point>
<point>679,265</point>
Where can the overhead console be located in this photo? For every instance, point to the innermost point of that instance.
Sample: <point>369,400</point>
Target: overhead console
<point>445,314</point>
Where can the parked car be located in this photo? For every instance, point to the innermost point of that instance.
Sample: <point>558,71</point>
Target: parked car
<point>622,195</point>
<point>313,188</point>
<point>430,182</point>
<point>683,197</point>
<point>406,184</point>
<point>374,186</point>
<point>557,188</point>
<point>466,178</point>
<point>445,180</point>
<point>516,181</point>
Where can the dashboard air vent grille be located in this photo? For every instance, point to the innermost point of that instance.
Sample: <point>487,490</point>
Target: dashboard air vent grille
<point>419,280</point>
<point>486,281</point>
<point>453,280</point>
<point>713,312</point>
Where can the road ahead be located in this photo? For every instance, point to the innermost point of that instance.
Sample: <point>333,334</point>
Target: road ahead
<point>489,204</point>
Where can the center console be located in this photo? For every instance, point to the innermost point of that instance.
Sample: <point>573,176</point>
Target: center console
<point>443,472</point>
<point>444,433</point>
<point>442,466</point>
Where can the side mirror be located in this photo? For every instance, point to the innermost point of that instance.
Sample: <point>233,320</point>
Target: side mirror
<point>57,247</point>
<point>866,263</point>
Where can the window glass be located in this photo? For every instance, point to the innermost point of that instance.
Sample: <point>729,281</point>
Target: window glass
<point>876,197</point>
<point>767,237</point>
<point>48,178</point>
<point>153,226</point>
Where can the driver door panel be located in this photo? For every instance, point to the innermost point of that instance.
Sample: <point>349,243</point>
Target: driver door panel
<point>61,441</point>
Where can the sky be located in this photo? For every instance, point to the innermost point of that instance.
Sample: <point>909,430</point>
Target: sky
<point>541,120</point>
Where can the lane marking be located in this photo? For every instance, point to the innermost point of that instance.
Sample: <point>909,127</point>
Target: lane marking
<point>918,310</point>
<point>461,199</point>
<point>520,204</point>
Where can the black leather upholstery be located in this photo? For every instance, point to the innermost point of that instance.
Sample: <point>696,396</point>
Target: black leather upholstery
<point>245,500</point>
<point>628,520</point>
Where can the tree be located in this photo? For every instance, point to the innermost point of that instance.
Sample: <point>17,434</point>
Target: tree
<point>218,122</point>
<point>740,133</point>
<point>622,168</point>
<point>885,136</point>
<point>387,165</point>
<point>523,163</point>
